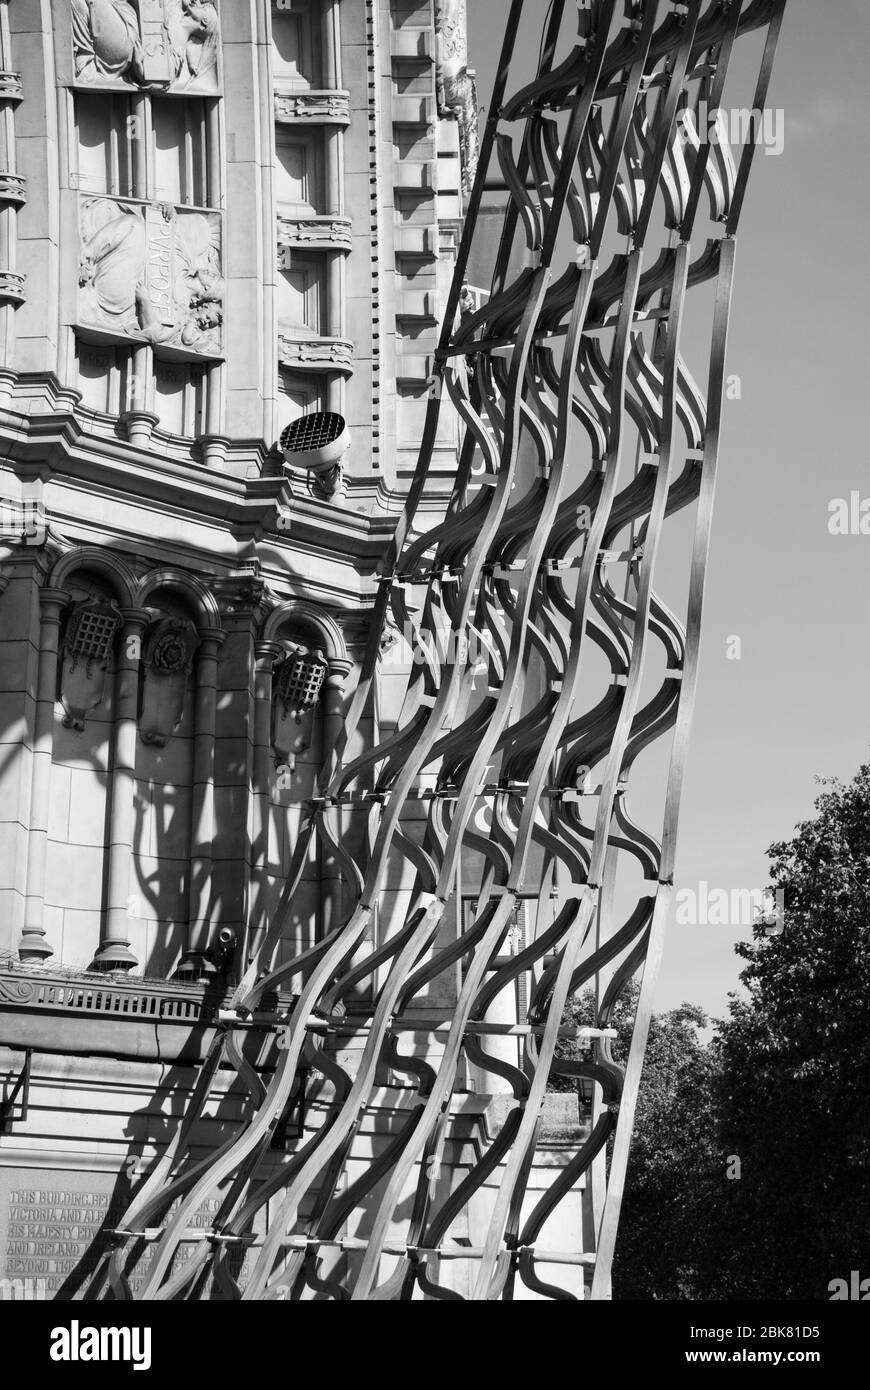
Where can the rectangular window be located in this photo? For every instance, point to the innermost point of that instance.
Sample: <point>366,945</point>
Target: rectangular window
<point>180,397</point>
<point>298,395</point>
<point>105,378</point>
<point>414,13</point>
<point>301,288</point>
<point>412,79</point>
<point>160,151</point>
<point>106,129</point>
<point>299,176</point>
<point>296,45</point>
<point>180,152</point>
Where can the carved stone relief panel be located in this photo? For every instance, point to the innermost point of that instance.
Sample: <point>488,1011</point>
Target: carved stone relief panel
<point>151,272</point>
<point>456,89</point>
<point>87,649</point>
<point>168,45</point>
<point>297,685</point>
<point>170,647</point>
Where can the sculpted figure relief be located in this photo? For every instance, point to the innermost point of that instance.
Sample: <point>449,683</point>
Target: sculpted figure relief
<point>106,40</point>
<point>456,89</point>
<point>194,39</point>
<point>151,273</point>
<point>112,264</point>
<point>163,44</point>
<point>452,33</point>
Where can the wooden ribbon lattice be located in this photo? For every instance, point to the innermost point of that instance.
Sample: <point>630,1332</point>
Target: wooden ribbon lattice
<point>582,433</point>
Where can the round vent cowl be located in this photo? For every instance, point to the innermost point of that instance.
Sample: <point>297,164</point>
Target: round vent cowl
<point>316,442</point>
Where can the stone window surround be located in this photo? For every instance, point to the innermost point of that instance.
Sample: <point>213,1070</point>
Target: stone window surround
<point>139,411</point>
<point>318,107</point>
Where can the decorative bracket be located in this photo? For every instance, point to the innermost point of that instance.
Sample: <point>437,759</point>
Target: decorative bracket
<point>312,108</point>
<point>316,354</point>
<point>315,233</point>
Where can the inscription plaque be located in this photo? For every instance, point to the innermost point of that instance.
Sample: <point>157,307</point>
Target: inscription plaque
<point>53,1224</point>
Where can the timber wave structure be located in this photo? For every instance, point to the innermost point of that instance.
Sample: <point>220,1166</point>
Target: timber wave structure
<point>583,431</point>
<point>357,460</point>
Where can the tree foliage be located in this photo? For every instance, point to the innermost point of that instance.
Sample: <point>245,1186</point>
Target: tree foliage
<point>795,1087</point>
<point>675,1172</point>
<point>748,1176</point>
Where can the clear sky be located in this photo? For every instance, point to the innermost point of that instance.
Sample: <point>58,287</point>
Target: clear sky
<point>796,706</point>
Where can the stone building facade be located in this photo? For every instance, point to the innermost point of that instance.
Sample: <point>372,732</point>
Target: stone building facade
<point>216,221</point>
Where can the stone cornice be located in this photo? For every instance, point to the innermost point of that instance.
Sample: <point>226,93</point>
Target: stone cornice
<point>163,504</point>
<point>56,447</point>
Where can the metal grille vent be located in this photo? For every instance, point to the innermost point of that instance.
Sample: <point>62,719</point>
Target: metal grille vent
<point>312,432</point>
<point>300,680</point>
<point>91,632</point>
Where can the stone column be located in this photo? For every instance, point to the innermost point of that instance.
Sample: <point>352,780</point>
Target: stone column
<point>195,964</point>
<point>266,654</point>
<point>333,137</point>
<point>333,722</point>
<point>138,415</point>
<point>330,39</point>
<point>52,603</point>
<point>114,952</point>
<point>215,445</point>
<point>12,194</point>
<point>249,253</point>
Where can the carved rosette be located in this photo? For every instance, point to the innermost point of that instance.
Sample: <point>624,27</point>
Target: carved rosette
<point>312,108</point>
<point>170,647</point>
<point>316,354</point>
